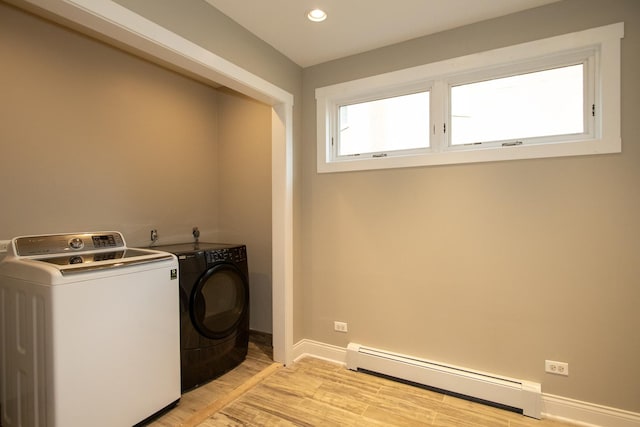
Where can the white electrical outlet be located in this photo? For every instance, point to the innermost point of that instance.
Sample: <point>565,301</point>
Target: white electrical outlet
<point>4,244</point>
<point>340,326</point>
<point>558,368</point>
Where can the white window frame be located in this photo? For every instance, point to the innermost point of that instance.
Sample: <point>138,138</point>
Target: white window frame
<point>599,48</point>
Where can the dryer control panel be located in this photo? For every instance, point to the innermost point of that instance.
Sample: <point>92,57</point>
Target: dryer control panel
<point>235,254</point>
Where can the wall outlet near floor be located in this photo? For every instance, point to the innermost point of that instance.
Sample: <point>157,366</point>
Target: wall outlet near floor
<point>4,244</point>
<point>558,368</point>
<point>340,326</point>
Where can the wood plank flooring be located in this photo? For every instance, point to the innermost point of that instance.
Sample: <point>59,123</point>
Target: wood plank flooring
<point>314,392</point>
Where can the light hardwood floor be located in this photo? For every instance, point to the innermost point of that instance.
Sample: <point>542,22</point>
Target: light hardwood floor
<point>314,392</point>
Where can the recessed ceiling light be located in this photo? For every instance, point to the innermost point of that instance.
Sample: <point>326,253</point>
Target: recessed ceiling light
<point>317,15</point>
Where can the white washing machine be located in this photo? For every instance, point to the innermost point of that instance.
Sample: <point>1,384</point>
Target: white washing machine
<point>89,331</point>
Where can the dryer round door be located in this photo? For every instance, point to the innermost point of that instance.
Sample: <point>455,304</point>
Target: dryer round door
<point>219,301</point>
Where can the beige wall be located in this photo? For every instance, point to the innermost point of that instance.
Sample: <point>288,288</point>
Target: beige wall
<point>245,192</point>
<point>196,21</point>
<point>94,138</point>
<point>494,266</point>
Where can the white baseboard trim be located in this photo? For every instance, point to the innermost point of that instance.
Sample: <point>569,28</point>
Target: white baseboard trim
<point>553,407</point>
<point>586,414</point>
<point>331,353</point>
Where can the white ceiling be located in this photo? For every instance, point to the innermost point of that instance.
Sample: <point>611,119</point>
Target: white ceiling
<point>355,26</point>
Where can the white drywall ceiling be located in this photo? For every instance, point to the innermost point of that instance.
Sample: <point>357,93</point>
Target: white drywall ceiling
<point>355,26</point>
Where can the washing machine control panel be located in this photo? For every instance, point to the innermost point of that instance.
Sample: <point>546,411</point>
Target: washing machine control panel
<point>65,243</point>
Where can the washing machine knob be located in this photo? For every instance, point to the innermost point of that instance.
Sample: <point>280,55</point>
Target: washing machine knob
<point>76,243</point>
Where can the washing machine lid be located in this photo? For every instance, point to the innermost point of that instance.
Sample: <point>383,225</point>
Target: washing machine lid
<point>74,253</point>
<point>82,263</point>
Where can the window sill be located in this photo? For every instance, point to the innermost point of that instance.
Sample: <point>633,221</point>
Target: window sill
<point>476,155</point>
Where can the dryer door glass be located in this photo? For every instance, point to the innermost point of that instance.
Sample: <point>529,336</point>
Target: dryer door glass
<point>219,301</point>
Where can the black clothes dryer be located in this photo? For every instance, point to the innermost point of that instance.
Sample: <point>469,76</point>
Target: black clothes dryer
<point>214,309</point>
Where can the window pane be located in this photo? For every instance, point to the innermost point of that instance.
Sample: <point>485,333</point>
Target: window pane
<point>398,123</point>
<point>529,105</point>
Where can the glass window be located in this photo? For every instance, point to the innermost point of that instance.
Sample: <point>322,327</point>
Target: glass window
<point>554,97</point>
<point>531,105</point>
<point>384,125</point>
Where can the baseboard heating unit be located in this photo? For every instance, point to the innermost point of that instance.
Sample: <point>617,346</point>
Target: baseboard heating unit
<point>523,395</point>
